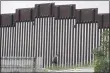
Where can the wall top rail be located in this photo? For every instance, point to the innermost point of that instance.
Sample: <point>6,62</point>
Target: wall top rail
<point>87,15</point>
<point>44,10</point>
<point>104,20</point>
<point>7,20</point>
<point>65,11</point>
<point>24,14</point>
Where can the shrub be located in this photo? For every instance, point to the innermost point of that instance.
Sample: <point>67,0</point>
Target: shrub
<point>101,63</point>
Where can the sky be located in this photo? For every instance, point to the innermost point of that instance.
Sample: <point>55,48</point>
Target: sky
<point>11,6</point>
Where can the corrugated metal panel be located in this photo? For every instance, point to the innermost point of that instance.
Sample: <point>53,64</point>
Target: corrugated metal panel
<point>24,14</point>
<point>64,11</point>
<point>87,15</point>
<point>104,20</point>
<point>44,10</point>
<point>6,20</point>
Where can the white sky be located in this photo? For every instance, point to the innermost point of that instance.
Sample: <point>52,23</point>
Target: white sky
<point>11,6</point>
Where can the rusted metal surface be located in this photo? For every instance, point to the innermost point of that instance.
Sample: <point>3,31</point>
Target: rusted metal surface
<point>87,15</point>
<point>6,20</point>
<point>65,11</point>
<point>104,20</point>
<point>44,10</point>
<point>24,14</point>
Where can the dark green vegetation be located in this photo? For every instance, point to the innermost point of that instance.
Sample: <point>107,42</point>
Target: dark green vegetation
<point>101,63</point>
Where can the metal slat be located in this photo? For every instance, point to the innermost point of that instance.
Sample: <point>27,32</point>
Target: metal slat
<point>88,43</point>
<point>97,31</point>
<point>28,49</point>
<point>94,42</point>
<point>79,59</point>
<point>63,41</point>
<point>82,35</point>
<point>76,45</point>
<point>9,44</point>
<point>2,50</point>
<point>80,56</point>
<point>56,45</point>
<point>53,39</point>
<point>47,42</point>
<point>78,49</point>
<point>17,47</point>
<point>15,43</point>
<point>92,46</point>
<point>62,49</point>
<point>21,36</point>
<point>33,38</point>
<point>85,44</point>
<point>26,39</point>
<point>40,36</point>
<point>45,54</point>
<point>36,31</point>
<point>71,42</point>
<point>67,52</point>
<point>1,43</point>
<point>34,43</point>
<point>46,50</point>
<point>50,40</point>
<point>19,40</point>
<point>43,37</point>
<point>29,43</point>
<point>22,40</point>
<point>66,44</point>
<point>6,41</point>
<point>73,49</point>
<point>60,43</point>
<point>83,41</point>
<point>44,21</point>
<point>14,39</point>
<point>31,23</point>
<point>9,41</point>
<point>95,37</point>
<point>69,28</point>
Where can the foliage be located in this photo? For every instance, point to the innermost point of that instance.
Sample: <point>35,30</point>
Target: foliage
<point>101,63</point>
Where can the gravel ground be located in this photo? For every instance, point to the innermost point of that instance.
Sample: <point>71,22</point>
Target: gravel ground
<point>87,69</point>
